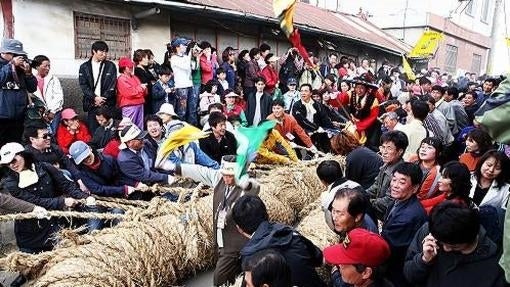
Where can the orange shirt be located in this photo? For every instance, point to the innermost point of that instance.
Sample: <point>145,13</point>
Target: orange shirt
<point>468,159</point>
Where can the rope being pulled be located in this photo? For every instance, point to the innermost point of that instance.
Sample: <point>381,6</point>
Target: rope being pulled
<point>59,213</point>
<point>158,250</point>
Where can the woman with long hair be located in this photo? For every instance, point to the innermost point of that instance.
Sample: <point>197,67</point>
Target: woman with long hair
<point>477,143</point>
<point>490,180</point>
<point>427,157</point>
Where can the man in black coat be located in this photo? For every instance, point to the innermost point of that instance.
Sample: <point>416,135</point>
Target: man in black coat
<point>98,80</point>
<point>258,105</point>
<point>250,215</point>
<point>220,142</point>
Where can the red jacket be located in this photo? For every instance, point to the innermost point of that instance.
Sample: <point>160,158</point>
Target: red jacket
<point>271,76</point>
<point>65,138</point>
<point>206,68</point>
<point>112,148</point>
<point>130,91</point>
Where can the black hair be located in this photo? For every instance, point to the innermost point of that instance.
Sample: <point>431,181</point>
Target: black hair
<point>424,81</point>
<point>329,171</point>
<point>29,159</point>
<point>492,80</point>
<point>264,47</point>
<point>453,223</point>
<point>209,85</point>
<point>139,54</point>
<point>436,143</point>
<point>215,118</point>
<point>260,79</point>
<point>249,212</point>
<point>268,267</point>
<point>38,60</point>
<point>164,70</point>
<point>420,109</point>
<point>242,54</point>
<point>428,99</point>
<point>105,111</point>
<point>220,70</point>
<point>99,46</point>
<point>398,138</point>
<point>219,106</point>
<point>204,45</point>
<point>278,102</point>
<point>253,52</point>
<point>460,177</point>
<point>332,54</point>
<point>358,202</point>
<point>482,138</point>
<point>503,161</point>
<point>386,80</point>
<point>268,56</point>
<point>32,130</point>
<point>306,85</point>
<point>438,88</point>
<point>152,118</point>
<point>411,170</point>
<point>453,92</point>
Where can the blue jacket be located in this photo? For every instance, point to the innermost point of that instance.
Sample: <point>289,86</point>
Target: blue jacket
<point>13,95</point>
<point>103,181</point>
<point>402,221</point>
<point>299,252</point>
<point>231,74</point>
<point>133,170</point>
<point>191,153</point>
<point>159,96</point>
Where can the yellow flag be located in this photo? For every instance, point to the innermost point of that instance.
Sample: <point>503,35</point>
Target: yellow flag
<point>507,41</point>
<point>426,45</point>
<point>407,69</point>
<point>185,135</point>
<point>284,10</point>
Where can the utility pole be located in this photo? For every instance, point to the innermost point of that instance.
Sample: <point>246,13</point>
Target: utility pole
<point>495,33</point>
<point>404,21</point>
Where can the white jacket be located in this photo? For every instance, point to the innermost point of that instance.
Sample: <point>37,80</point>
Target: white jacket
<point>53,94</point>
<point>497,197</point>
<point>181,65</point>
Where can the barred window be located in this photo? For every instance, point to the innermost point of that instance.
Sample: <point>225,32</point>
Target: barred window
<point>476,63</point>
<point>450,64</point>
<point>88,28</point>
<point>469,7</point>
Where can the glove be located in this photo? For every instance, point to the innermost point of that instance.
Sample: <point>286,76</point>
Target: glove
<point>293,144</point>
<point>141,187</point>
<point>90,201</point>
<point>166,165</point>
<point>314,149</point>
<point>130,189</point>
<point>171,179</point>
<point>244,182</point>
<point>40,212</point>
<point>320,130</point>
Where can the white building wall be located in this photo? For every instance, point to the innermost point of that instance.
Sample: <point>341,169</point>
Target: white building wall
<point>47,27</point>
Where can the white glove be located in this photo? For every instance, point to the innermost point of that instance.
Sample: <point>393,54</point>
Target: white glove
<point>293,144</point>
<point>90,201</point>
<point>314,149</point>
<point>244,182</point>
<point>171,179</point>
<point>40,212</point>
<point>320,130</point>
<point>70,202</point>
<point>130,189</point>
<point>141,187</point>
<point>167,165</point>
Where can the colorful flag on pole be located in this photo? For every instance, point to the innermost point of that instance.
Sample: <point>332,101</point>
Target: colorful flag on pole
<point>248,143</point>
<point>407,69</point>
<point>284,10</point>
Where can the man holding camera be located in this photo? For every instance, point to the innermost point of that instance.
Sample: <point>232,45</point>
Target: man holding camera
<point>16,80</point>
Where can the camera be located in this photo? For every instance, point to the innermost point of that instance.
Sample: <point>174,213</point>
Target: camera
<point>196,49</point>
<point>25,58</point>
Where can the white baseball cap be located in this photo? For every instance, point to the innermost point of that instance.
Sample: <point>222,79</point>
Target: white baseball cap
<point>130,132</point>
<point>9,151</point>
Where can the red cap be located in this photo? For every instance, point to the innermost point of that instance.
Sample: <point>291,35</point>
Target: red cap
<point>360,246</point>
<point>126,62</point>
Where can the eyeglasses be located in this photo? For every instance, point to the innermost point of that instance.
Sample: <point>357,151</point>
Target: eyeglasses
<point>45,136</point>
<point>386,148</point>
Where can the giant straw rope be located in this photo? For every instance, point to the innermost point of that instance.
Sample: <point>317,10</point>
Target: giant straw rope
<point>162,243</point>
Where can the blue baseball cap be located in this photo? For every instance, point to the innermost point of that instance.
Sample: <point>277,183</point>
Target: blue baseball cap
<point>79,151</point>
<point>179,41</point>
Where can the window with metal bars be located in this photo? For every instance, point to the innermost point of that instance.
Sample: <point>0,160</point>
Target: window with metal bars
<point>450,64</point>
<point>88,28</point>
<point>476,63</point>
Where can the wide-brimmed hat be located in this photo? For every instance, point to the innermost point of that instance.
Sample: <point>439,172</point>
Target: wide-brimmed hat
<point>9,151</point>
<point>168,109</point>
<point>12,46</point>
<point>130,132</point>
<point>228,165</point>
<point>367,79</point>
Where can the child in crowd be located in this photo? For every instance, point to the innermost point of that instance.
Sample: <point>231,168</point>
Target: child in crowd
<point>208,97</point>
<point>163,90</point>
<point>232,109</point>
<point>291,96</point>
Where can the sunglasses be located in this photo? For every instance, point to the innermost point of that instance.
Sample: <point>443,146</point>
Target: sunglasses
<point>46,136</point>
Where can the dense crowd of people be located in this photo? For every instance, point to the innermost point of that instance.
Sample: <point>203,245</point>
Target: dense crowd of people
<point>421,201</point>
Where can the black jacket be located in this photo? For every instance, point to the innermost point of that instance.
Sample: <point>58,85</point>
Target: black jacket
<point>54,155</point>
<point>49,193</point>
<point>13,93</point>
<point>103,181</point>
<point>299,252</point>
<point>214,149</point>
<point>108,84</point>
<point>265,107</point>
<point>320,118</point>
<point>448,269</point>
<point>103,135</point>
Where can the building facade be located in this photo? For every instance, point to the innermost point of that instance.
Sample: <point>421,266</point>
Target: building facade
<point>467,27</point>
